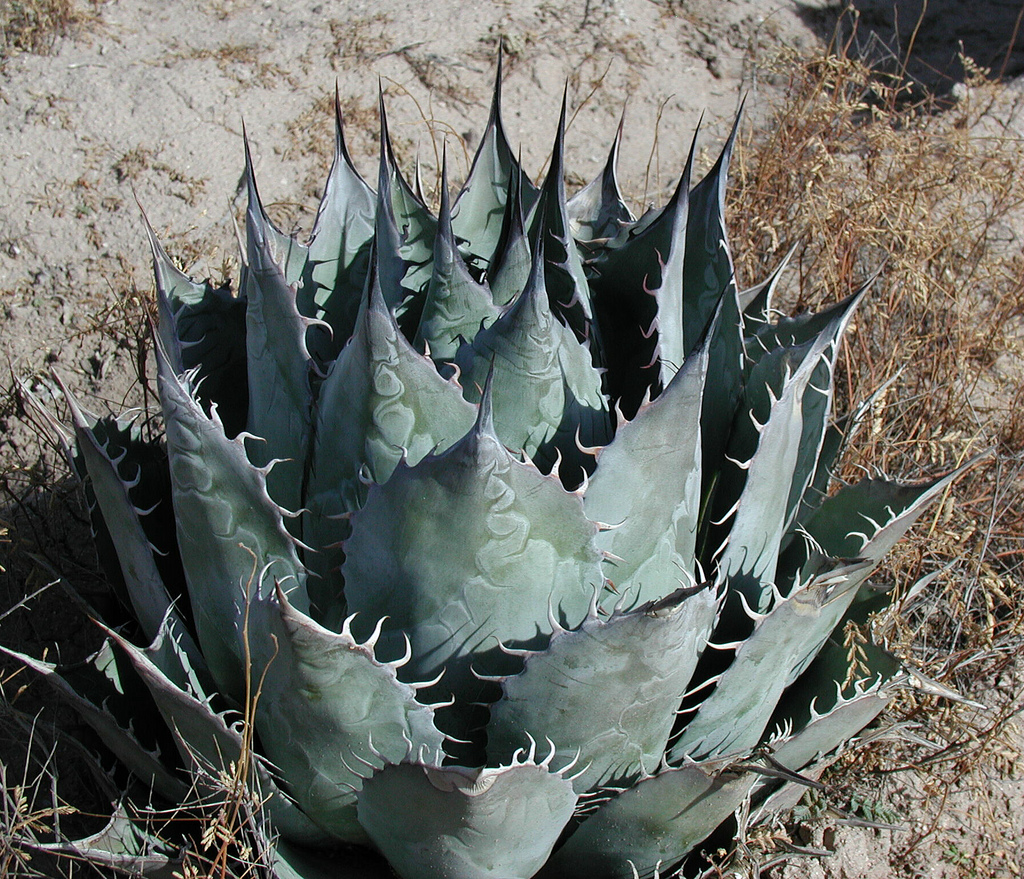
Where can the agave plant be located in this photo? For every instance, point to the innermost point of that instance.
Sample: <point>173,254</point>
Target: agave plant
<point>503,542</point>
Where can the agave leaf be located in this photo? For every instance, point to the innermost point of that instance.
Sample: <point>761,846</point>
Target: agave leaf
<point>647,486</point>
<point>818,716</point>
<point>478,210</point>
<point>653,824</point>
<point>408,244</point>
<point>380,402</point>
<point>815,410</point>
<point>168,653</point>
<point>598,210</point>
<point>707,268</point>
<point>142,762</point>
<point>122,846</point>
<point>564,277</point>
<point>280,248</point>
<point>386,259</point>
<point>227,527</point>
<point>208,743</point>
<point>509,269</point>
<point>456,306</point>
<point>279,363</point>
<point>637,283</point>
<point>824,715</point>
<point>547,394</point>
<point>711,298</point>
<point>724,384</point>
<point>766,381</point>
<point>509,542</point>
<point>338,263</point>
<point>836,675</point>
<point>203,329</point>
<point>767,377</point>
<point>836,728</point>
<point>329,712</point>
<point>606,692</point>
<point>756,301</point>
<point>112,489</point>
<point>838,436</point>
<point>459,823</point>
<point>777,471</point>
<point>883,510</point>
<point>864,520</point>
<point>733,717</point>
<point>175,287</point>
<point>792,332</point>
<point>140,465</point>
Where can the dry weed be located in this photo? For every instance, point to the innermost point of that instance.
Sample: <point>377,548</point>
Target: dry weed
<point>36,25</point>
<point>241,62</point>
<point>856,183</point>
<point>859,177</point>
<point>359,38</point>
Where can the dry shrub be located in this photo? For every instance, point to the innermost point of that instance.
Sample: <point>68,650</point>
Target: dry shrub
<point>35,25</point>
<point>857,181</point>
<point>857,175</point>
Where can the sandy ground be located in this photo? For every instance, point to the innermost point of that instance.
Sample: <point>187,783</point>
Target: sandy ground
<point>148,101</point>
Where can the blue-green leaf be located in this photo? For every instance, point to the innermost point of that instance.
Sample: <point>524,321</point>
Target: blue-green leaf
<point>210,745</point>
<point>122,846</point>
<point>647,488</point>
<point>112,489</point>
<point>606,693</point>
<point>731,720</point>
<point>203,329</point>
<point>637,283</point>
<point>329,712</point>
<point>756,301</point>
<point>864,520</point>
<point>653,824</point>
<point>458,823</point>
<point>381,402</point>
<point>778,471</point>
<point>279,363</point>
<point>547,393</point>
<point>338,262</point>
<point>707,268</point>
<point>478,210</point>
<point>564,278</point>
<point>509,270</point>
<point>142,762</point>
<point>465,551</point>
<point>228,527</point>
<point>456,305</point>
<point>598,210</point>
<point>404,239</point>
<point>820,712</point>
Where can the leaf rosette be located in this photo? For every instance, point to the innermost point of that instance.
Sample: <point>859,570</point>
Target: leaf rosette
<point>506,540</point>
